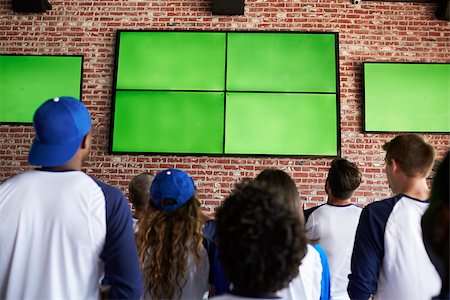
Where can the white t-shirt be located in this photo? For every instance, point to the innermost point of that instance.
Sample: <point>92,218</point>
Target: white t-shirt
<point>307,284</point>
<point>335,228</point>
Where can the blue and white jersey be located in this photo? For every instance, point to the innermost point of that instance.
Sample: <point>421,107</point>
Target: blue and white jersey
<point>60,232</point>
<point>389,259</point>
<point>334,227</point>
<point>307,285</point>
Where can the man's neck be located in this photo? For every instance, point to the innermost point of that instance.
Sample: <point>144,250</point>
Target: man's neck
<point>338,202</point>
<point>416,188</point>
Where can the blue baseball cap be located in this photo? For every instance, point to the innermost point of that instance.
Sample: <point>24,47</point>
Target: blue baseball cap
<point>171,184</point>
<point>60,125</point>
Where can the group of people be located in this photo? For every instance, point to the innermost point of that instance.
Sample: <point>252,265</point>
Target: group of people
<point>66,235</point>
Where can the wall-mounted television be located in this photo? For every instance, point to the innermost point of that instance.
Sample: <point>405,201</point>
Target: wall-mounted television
<point>26,81</point>
<point>406,97</point>
<point>226,93</point>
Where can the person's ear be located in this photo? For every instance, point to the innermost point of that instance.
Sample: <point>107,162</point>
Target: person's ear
<point>394,165</point>
<point>86,143</point>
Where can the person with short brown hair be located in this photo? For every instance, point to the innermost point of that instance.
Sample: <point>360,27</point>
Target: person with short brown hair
<point>334,223</point>
<point>389,260</point>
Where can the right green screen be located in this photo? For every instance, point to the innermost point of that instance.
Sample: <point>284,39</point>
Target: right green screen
<point>407,97</point>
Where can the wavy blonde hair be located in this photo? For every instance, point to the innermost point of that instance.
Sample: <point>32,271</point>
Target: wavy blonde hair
<point>164,240</point>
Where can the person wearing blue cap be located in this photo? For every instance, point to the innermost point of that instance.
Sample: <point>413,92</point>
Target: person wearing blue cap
<point>62,229</point>
<point>173,260</point>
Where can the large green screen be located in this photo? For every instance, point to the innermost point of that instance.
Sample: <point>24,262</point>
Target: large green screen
<point>232,93</point>
<point>281,62</point>
<point>407,97</point>
<point>257,123</point>
<point>184,122</point>
<point>27,81</point>
<point>171,61</point>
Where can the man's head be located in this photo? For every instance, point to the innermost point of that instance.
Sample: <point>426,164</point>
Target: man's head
<point>435,221</point>
<point>61,126</point>
<point>139,191</point>
<point>260,239</point>
<point>343,179</point>
<point>411,153</point>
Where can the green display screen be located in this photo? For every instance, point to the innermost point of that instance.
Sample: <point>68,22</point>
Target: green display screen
<point>407,97</point>
<point>226,93</point>
<point>26,81</point>
<point>257,123</point>
<point>171,61</point>
<point>281,62</point>
<point>184,122</point>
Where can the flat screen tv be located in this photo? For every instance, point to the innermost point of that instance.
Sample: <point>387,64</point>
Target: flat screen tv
<point>260,123</point>
<point>26,81</point>
<point>226,93</point>
<point>406,97</point>
<point>184,122</point>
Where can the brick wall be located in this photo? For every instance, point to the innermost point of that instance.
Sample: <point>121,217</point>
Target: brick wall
<point>370,31</point>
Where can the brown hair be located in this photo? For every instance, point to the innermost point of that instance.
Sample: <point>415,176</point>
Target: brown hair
<point>343,178</point>
<point>412,153</point>
<point>165,239</point>
<point>139,190</point>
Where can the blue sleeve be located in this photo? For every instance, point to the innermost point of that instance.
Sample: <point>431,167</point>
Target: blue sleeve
<point>120,253</point>
<point>368,250</point>
<point>325,282</point>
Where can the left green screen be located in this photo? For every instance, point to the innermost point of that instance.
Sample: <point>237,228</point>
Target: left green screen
<point>171,60</point>
<point>27,81</point>
<point>185,122</point>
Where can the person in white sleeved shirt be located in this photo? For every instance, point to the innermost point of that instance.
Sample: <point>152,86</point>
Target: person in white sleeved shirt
<point>389,259</point>
<point>334,223</point>
<point>260,240</point>
<point>62,229</point>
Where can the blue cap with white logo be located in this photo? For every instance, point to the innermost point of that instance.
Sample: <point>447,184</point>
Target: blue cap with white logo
<point>60,125</point>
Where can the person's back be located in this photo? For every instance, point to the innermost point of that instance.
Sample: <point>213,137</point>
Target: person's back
<point>312,281</point>
<point>334,224</point>
<point>389,259</point>
<point>307,285</point>
<point>174,262</point>
<point>61,228</point>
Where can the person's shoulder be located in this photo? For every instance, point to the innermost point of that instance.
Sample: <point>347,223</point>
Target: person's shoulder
<point>388,203</point>
<point>106,186</point>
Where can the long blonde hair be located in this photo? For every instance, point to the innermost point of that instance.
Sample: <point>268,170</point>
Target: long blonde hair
<point>165,239</point>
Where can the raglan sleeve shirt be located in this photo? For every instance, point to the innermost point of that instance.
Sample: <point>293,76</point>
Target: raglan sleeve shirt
<point>368,250</point>
<point>120,254</point>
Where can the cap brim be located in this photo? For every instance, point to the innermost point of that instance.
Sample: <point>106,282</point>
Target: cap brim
<point>52,155</point>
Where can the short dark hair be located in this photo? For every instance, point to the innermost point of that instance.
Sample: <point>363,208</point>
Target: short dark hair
<point>282,182</point>
<point>139,190</point>
<point>412,153</point>
<point>343,178</point>
<point>260,239</point>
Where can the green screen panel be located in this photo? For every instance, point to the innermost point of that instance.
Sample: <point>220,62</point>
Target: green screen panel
<point>168,122</point>
<point>171,60</point>
<point>281,62</point>
<point>402,97</point>
<point>27,81</point>
<point>281,124</point>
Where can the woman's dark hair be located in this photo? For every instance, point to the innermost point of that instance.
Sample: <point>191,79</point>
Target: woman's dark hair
<point>283,183</point>
<point>343,178</point>
<point>260,238</point>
